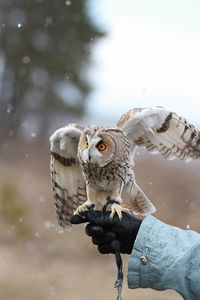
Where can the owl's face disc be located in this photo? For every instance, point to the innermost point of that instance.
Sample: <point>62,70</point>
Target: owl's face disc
<point>96,146</point>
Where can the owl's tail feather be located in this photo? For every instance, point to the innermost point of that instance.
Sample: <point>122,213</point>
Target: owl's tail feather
<point>140,204</point>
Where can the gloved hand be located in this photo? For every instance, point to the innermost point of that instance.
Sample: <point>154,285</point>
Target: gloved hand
<point>105,231</point>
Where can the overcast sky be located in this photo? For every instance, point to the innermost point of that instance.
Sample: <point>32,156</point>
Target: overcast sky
<point>151,56</point>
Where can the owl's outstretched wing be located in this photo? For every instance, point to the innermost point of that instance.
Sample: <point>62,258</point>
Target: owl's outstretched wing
<point>68,184</point>
<point>161,131</point>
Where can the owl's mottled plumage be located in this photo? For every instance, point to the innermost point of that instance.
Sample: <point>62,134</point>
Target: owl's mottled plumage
<point>88,165</point>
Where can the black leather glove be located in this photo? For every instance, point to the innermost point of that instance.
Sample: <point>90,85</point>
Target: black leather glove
<point>106,232</point>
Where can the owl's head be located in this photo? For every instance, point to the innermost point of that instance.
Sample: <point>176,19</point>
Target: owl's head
<point>97,146</point>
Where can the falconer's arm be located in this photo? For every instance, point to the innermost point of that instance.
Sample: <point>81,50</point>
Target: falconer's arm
<point>161,256</point>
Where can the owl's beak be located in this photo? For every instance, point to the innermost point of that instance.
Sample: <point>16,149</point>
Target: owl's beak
<point>93,155</point>
<point>92,159</point>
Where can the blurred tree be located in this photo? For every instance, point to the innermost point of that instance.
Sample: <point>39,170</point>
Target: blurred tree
<point>45,50</point>
<point>11,210</point>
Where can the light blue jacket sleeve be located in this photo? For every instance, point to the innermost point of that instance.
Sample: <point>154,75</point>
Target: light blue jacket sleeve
<point>165,257</point>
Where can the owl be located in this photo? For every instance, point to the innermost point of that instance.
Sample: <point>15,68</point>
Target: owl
<point>90,164</point>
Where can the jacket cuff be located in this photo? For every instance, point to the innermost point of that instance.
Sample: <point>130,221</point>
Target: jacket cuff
<point>148,256</point>
<point>165,257</point>
<point>138,263</point>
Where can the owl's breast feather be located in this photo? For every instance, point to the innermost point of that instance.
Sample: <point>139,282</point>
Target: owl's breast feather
<point>107,177</point>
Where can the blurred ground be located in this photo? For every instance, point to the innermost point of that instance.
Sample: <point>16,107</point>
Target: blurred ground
<point>39,263</point>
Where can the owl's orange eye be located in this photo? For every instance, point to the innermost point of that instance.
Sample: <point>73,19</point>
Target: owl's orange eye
<point>101,146</point>
<point>86,144</point>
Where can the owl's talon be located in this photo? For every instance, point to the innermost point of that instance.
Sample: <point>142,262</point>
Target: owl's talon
<point>91,207</point>
<point>81,209</point>
<point>109,201</point>
<point>117,208</point>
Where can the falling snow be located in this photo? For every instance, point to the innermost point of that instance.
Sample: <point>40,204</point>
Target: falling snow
<point>60,230</point>
<point>48,21</point>
<point>33,134</point>
<point>37,234</point>
<point>68,2</point>
<point>26,59</point>
<point>42,198</point>
<point>52,290</point>
<point>47,224</point>
<point>9,108</point>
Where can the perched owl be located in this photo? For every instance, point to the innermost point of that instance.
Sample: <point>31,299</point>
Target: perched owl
<point>88,165</point>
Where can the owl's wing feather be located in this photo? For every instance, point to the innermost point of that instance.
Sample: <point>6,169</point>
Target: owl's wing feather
<point>68,184</point>
<point>161,131</point>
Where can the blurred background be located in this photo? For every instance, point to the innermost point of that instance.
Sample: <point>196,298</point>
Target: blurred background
<point>87,61</point>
